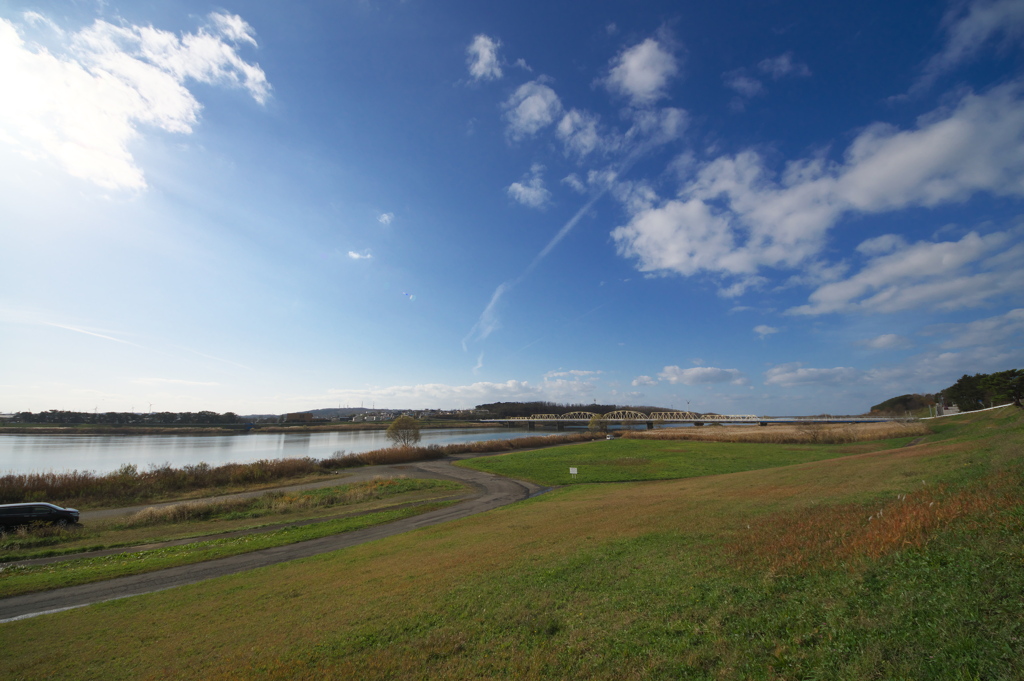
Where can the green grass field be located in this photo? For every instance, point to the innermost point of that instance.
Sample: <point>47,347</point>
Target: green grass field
<point>331,510</point>
<point>626,460</point>
<point>900,563</point>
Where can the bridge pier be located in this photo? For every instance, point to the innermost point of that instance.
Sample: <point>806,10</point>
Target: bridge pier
<point>530,425</point>
<point>560,427</point>
<point>650,425</point>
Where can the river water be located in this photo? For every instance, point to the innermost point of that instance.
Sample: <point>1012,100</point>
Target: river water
<point>106,453</point>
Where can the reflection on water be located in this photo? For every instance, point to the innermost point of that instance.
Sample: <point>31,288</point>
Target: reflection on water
<point>105,453</point>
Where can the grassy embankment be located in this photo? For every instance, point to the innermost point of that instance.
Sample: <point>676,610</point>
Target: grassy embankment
<point>130,486</point>
<point>678,453</point>
<point>897,563</point>
<point>219,529</point>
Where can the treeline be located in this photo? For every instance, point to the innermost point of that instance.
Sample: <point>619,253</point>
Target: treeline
<point>986,390</point>
<point>115,418</point>
<point>504,410</point>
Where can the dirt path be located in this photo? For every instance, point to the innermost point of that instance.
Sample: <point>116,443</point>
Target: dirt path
<point>492,491</point>
<point>342,478</point>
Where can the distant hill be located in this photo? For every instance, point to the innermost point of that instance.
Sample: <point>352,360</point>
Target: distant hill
<point>335,412</point>
<point>904,403</point>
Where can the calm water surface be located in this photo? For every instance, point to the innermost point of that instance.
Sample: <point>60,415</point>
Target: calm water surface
<point>105,453</point>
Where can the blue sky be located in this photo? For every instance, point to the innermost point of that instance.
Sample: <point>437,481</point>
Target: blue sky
<point>768,208</point>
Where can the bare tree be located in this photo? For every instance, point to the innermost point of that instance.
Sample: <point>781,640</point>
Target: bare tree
<point>404,432</point>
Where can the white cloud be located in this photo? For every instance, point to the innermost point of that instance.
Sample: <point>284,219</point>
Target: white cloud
<point>482,58</point>
<point>921,274</point>
<point>574,181</point>
<point>887,341</point>
<point>697,375</point>
<point>531,108</point>
<point>733,217</point>
<point>763,330</point>
<point>742,84</point>
<point>969,26</point>
<point>794,373</point>
<point>171,381</point>
<point>577,373</point>
<point>84,108</point>
<point>880,245</point>
<point>642,72</point>
<point>644,380</point>
<point>386,218</point>
<point>783,65</point>
<point>442,395</point>
<point>578,131</point>
<point>982,332</point>
<point>657,126</point>
<point>684,237</point>
<point>365,255</point>
<point>530,192</point>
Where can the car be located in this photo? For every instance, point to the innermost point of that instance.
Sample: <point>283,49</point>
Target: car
<point>13,515</point>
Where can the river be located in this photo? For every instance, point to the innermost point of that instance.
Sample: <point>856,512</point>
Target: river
<point>106,453</point>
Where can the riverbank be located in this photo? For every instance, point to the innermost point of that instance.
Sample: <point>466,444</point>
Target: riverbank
<point>89,429</point>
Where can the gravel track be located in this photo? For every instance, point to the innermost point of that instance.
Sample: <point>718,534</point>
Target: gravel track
<point>492,491</point>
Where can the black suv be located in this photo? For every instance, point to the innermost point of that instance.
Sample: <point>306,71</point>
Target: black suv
<point>12,515</point>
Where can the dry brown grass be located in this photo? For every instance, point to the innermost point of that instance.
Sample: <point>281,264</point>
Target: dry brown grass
<point>798,433</point>
<point>393,455</point>
<point>821,537</point>
<point>265,504</point>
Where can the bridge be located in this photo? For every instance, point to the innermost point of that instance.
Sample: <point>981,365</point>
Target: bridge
<point>628,417</point>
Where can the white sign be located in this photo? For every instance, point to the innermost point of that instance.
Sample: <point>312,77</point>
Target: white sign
<point>572,471</point>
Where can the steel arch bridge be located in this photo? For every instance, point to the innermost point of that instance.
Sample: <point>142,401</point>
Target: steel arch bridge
<point>633,417</point>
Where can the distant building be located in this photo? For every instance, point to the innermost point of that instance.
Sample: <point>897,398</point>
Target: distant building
<point>299,417</point>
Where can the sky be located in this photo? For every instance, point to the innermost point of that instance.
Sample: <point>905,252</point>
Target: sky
<point>777,208</point>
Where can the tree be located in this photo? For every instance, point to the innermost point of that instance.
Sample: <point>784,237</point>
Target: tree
<point>404,432</point>
<point>1005,386</point>
<point>966,393</point>
<point>597,424</point>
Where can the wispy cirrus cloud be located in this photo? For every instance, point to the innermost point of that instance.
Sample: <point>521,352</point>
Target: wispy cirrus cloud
<point>698,375</point>
<point>887,341</point>
<point>782,66</point>
<point>969,26</point>
<point>795,373</point>
<point>89,333</point>
<point>982,332</point>
<point>172,381</point>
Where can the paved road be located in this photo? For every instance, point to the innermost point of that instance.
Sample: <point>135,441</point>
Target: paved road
<point>492,491</point>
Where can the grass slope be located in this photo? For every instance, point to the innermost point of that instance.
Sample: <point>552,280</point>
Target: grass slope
<point>838,568</point>
<point>624,460</point>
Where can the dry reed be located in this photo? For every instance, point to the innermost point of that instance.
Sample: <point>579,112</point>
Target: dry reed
<point>799,433</point>
<point>130,485</point>
<point>266,504</point>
